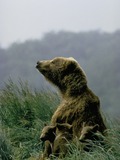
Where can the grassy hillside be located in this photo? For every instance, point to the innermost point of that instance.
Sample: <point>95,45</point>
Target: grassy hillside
<point>97,52</point>
<point>22,115</point>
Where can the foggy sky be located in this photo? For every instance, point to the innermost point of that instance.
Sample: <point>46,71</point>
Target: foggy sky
<point>30,19</point>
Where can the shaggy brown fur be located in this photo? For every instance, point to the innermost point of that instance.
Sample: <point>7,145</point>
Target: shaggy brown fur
<point>64,134</point>
<point>47,151</point>
<point>79,103</point>
<point>56,139</point>
<point>48,133</point>
<point>88,132</point>
<point>91,137</point>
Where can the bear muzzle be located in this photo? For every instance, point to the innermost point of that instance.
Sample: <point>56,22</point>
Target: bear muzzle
<point>43,67</point>
<point>38,64</point>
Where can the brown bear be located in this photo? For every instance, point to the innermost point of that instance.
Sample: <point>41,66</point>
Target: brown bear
<point>79,104</point>
<point>88,132</point>
<point>90,137</point>
<point>56,139</point>
<point>64,135</point>
<point>48,135</point>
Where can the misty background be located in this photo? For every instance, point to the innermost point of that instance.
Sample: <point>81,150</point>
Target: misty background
<point>89,31</point>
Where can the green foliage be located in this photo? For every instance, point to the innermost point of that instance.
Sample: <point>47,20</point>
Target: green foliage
<point>20,106</point>
<point>22,116</point>
<point>5,148</point>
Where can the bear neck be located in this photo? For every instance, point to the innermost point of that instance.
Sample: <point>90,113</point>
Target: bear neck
<point>73,84</point>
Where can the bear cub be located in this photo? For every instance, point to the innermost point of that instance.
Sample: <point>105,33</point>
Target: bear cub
<point>90,137</point>
<point>48,134</point>
<point>64,135</point>
<point>88,132</point>
<point>56,139</point>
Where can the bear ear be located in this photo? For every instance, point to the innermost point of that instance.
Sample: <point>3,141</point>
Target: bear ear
<point>63,126</point>
<point>71,58</point>
<point>70,65</point>
<point>95,128</point>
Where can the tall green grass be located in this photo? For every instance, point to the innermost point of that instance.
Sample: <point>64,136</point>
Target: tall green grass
<point>24,111</point>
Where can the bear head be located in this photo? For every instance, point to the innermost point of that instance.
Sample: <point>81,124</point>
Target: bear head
<point>65,73</point>
<point>88,132</point>
<point>48,133</point>
<point>64,129</point>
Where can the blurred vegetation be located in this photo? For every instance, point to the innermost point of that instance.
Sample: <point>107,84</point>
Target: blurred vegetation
<point>97,52</point>
<point>24,111</point>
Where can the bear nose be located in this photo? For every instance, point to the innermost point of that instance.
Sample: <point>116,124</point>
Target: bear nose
<point>38,64</point>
